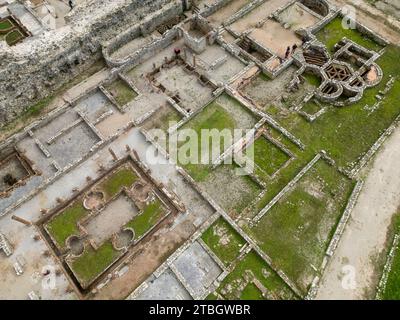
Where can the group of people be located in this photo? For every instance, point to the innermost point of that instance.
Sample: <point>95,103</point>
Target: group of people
<point>290,51</point>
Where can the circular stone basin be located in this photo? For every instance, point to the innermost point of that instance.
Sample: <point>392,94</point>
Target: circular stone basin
<point>138,186</point>
<point>93,200</point>
<point>141,191</point>
<point>124,238</point>
<point>76,245</point>
<point>372,75</point>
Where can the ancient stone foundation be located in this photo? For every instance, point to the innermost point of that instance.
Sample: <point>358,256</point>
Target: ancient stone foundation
<point>35,68</point>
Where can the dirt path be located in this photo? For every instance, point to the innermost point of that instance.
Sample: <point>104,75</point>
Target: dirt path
<point>365,235</point>
<point>374,19</point>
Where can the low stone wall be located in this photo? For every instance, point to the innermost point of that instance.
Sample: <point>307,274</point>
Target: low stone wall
<point>388,267</point>
<point>214,7</point>
<point>245,10</point>
<point>202,24</point>
<point>145,52</point>
<point>239,145</point>
<point>286,189</point>
<point>367,9</point>
<point>143,28</point>
<point>345,217</point>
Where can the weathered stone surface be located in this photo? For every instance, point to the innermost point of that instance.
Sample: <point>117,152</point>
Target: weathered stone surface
<point>36,67</point>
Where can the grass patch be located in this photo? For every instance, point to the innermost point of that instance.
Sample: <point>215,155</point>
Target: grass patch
<point>312,79</point>
<point>268,157</point>
<point>121,92</point>
<point>147,219</point>
<point>211,297</point>
<point>278,136</point>
<point>334,32</point>
<point>311,107</point>
<point>231,190</point>
<point>65,224</point>
<point>251,292</point>
<point>272,110</point>
<point>14,36</point>
<point>6,24</point>
<point>223,116</point>
<point>296,232</point>
<point>93,262</point>
<point>392,288</point>
<point>254,266</point>
<point>37,108</point>
<point>213,116</point>
<point>172,116</point>
<point>224,241</point>
<point>124,177</point>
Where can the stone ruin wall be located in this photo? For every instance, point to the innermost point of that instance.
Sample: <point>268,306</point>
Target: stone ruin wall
<point>35,68</point>
<point>208,11</point>
<point>321,7</point>
<point>142,28</point>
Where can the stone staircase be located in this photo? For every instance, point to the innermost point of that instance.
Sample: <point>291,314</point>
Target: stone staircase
<point>315,58</point>
<point>245,44</point>
<point>196,9</point>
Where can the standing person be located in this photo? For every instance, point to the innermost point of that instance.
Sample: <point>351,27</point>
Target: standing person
<point>71,5</point>
<point>287,52</point>
<point>177,52</point>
